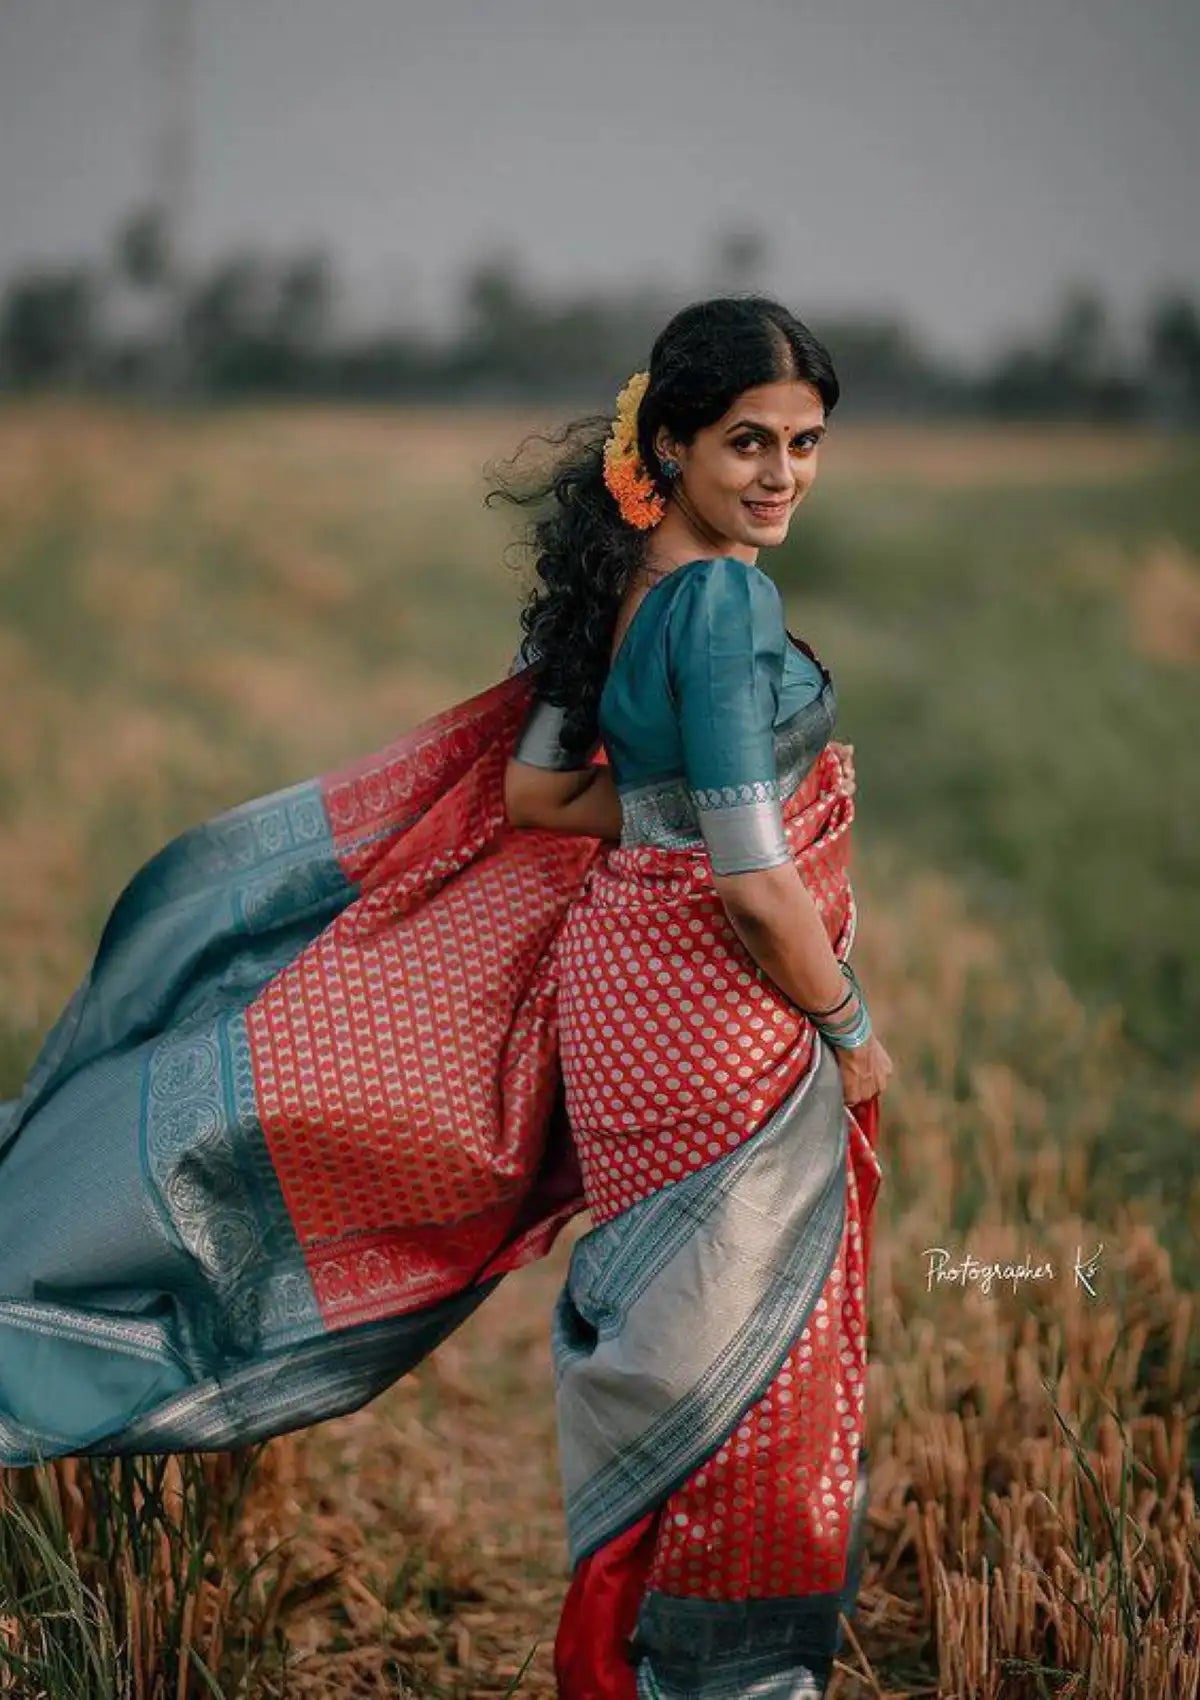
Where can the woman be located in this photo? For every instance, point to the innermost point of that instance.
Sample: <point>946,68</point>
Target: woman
<point>710,1341</point>
<point>349,1052</point>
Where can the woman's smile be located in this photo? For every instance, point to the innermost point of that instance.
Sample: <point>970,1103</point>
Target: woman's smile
<point>769,511</point>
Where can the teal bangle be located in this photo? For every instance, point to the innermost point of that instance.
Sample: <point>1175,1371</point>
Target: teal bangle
<point>852,1039</point>
<point>850,1032</point>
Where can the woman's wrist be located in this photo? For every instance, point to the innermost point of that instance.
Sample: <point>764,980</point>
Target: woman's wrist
<point>849,1025</point>
<point>839,1006</point>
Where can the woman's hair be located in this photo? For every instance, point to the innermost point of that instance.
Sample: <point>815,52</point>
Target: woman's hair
<point>585,553</point>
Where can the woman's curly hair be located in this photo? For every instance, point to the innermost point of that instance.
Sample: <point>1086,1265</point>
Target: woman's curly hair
<point>584,552</point>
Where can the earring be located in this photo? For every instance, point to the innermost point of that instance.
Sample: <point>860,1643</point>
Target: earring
<point>671,469</point>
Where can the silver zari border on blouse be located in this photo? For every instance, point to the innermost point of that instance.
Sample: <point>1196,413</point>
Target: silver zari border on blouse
<point>742,832</point>
<point>742,824</point>
<point>539,741</point>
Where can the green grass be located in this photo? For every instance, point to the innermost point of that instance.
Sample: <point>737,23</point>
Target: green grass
<point>1008,732</point>
<point>1005,727</point>
<point>150,1598</point>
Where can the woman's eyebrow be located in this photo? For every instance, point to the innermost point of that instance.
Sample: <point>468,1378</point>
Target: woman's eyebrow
<point>804,430</point>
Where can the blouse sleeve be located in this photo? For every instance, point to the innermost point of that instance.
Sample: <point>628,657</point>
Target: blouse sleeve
<point>726,647</point>
<point>540,741</point>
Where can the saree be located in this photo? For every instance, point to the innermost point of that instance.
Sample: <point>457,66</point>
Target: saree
<point>710,1341</point>
<point>334,1071</point>
<point>300,1115</point>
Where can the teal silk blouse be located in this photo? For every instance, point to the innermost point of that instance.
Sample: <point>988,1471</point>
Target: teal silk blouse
<point>711,715</point>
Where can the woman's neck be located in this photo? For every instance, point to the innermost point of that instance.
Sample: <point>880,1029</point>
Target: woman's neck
<point>682,536</point>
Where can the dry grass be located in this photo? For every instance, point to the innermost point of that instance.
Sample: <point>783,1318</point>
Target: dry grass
<point>1158,584</point>
<point>1032,1502</point>
<point>139,1580</point>
<point>1165,604</point>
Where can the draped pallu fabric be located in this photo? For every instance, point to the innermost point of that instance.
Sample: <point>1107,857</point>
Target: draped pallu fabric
<point>302,1112</point>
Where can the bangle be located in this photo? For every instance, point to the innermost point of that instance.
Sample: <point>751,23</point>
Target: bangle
<point>852,1030</point>
<point>847,973</point>
<point>848,1038</point>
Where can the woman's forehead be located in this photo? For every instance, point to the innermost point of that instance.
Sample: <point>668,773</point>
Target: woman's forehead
<point>788,405</point>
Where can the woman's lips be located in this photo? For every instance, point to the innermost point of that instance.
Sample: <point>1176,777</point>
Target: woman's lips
<point>768,510</point>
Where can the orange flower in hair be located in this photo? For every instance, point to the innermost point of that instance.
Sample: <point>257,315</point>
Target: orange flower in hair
<point>624,474</point>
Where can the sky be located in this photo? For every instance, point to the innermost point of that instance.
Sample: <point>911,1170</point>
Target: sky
<point>955,162</point>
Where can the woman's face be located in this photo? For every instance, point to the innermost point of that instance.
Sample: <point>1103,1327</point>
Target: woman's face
<point>745,475</point>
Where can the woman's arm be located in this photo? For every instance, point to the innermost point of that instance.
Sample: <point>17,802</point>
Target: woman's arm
<point>554,784</point>
<point>726,650</point>
<point>581,800</point>
<point>773,913</point>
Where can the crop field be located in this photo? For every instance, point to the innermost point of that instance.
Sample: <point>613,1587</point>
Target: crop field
<point>198,609</point>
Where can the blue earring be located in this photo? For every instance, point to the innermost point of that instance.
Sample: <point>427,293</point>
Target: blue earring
<point>671,469</point>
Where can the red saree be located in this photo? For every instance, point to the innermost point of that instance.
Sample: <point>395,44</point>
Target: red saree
<point>676,1049</point>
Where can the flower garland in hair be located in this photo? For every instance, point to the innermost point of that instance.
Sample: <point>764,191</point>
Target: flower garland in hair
<point>624,474</point>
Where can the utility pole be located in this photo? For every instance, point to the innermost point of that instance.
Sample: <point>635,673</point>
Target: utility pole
<point>172,53</point>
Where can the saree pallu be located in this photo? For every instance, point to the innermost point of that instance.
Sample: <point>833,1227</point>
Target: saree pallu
<point>302,1113</point>
<point>710,1342</point>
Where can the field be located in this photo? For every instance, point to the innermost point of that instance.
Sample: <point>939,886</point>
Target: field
<point>197,610</point>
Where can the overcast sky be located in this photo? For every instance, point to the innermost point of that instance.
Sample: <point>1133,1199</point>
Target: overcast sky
<point>956,161</point>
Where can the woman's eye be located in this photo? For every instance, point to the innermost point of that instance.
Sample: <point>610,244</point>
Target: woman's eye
<point>801,446</point>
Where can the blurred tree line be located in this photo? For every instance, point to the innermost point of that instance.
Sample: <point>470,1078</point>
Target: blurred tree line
<point>137,322</point>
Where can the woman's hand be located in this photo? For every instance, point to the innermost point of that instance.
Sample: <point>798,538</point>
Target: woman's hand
<point>865,1070</point>
<point>845,754</point>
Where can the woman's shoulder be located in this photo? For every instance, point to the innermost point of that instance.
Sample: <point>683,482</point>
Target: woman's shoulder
<point>723,593</point>
<point>721,572</point>
<point>712,604</point>
<point>713,579</point>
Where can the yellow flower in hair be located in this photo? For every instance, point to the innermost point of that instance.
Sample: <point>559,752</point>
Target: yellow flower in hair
<point>624,474</point>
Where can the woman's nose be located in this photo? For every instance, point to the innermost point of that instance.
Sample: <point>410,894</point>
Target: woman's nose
<point>777,473</point>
